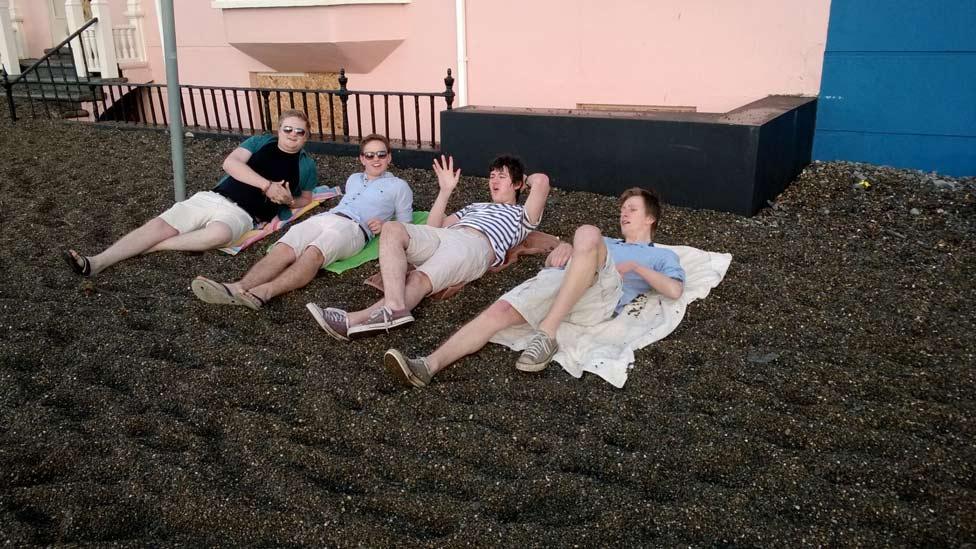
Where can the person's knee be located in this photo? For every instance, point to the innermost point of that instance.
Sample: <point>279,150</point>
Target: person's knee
<point>419,279</point>
<point>501,313</point>
<point>587,238</point>
<point>312,254</point>
<point>393,231</point>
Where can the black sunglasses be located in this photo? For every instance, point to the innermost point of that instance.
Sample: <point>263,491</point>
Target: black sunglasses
<point>377,154</point>
<point>298,131</point>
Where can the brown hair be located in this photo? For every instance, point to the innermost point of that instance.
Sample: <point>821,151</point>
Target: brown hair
<point>374,137</point>
<point>293,113</point>
<point>652,204</point>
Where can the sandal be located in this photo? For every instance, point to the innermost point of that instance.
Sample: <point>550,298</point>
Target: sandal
<point>213,292</point>
<point>250,300</point>
<point>83,269</point>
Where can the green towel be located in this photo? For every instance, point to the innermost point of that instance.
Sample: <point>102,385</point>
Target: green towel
<point>370,252</point>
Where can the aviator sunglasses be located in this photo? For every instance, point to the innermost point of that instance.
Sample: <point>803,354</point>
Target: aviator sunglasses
<point>298,131</point>
<point>377,154</point>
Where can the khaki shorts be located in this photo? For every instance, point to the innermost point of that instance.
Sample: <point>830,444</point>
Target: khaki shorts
<point>202,209</point>
<point>448,256</point>
<point>335,236</point>
<point>533,298</point>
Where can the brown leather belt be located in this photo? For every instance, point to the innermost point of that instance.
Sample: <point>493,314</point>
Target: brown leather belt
<point>361,229</point>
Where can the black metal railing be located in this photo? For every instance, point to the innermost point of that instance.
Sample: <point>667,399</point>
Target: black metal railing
<point>334,114</point>
<point>55,87</point>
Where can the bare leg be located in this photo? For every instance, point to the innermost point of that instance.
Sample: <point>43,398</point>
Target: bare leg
<point>393,264</point>
<point>134,243</point>
<point>269,267</point>
<point>212,236</point>
<point>474,335</point>
<point>416,289</point>
<point>589,254</point>
<point>297,275</point>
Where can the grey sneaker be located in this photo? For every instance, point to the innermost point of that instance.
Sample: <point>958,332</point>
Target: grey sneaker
<point>538,353</point>
<point>382,320</point>
<point>333,321</point>
<point>410,371</point>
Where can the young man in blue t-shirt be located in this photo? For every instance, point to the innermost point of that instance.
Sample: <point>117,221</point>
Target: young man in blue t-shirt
<point>584,283</point>
<point>265,175</point>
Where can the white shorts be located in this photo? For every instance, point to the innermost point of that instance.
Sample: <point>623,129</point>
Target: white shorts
<point>202,209</point>
<point>448,256</point>
<point>533,298</point>
<point>335,236</point>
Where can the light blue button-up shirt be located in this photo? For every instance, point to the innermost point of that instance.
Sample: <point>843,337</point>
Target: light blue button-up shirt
<point>386,197</point>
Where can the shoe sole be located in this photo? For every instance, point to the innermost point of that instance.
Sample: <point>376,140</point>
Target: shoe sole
<point>317,315</point>
<point>535,366</point>
<point>364,330</point>
<point>209,291</point>
<point>396,364</point>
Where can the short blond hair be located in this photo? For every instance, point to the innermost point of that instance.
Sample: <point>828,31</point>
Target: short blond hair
<point>293,113</point>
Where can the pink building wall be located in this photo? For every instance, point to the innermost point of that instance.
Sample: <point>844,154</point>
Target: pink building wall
<point>709,54</point>
<point>714,56</point>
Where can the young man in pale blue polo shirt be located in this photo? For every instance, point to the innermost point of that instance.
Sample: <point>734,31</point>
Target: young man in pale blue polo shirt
<point>372,197</point>
<point>585,283</point>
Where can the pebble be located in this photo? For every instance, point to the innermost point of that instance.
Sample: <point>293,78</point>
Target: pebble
<point>915,211</point>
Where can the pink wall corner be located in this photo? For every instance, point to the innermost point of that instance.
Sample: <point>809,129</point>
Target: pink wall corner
<point>714,56</point>
<point>36,26</point>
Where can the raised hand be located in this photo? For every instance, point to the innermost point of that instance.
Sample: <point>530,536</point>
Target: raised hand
<point>447,176</point>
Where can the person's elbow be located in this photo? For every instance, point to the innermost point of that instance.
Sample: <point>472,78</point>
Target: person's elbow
<point>674,290</point>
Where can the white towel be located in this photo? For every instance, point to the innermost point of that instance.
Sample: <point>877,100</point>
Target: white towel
<point>607,349</point>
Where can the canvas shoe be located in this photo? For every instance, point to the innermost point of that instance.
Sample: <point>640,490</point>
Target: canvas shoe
<point>382,320</point>
<point>538,353</point>
<point>333,321</point>
<point>410,371</point>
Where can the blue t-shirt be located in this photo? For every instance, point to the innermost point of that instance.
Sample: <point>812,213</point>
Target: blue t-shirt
<point>386,197</point>
<point>647,255</point>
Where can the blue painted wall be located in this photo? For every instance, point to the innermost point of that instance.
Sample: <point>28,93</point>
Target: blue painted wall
<point>899,85</point>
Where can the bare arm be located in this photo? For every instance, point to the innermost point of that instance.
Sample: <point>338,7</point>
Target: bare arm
<point>662,283</point>
<point>447,179</point>
<point>236,166</point>
<point>538,184</point>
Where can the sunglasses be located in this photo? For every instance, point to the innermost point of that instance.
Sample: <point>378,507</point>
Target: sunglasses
<point>377,154</point>
<point>298,131</point>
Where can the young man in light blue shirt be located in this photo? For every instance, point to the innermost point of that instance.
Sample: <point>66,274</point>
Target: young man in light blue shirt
<point>585,283</point>
<point>372,198</point>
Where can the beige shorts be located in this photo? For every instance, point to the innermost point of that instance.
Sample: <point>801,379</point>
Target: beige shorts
<point>533,298</point>
<point>202,209</point>
<point>448,256</point>
<point>335,236</point>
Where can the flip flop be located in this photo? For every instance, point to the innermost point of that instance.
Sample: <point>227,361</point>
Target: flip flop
<point>250,300</point>
<point>84,269</point>
<point>213,292</point>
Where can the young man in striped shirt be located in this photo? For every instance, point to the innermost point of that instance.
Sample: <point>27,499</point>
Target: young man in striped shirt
<point>448,250</point>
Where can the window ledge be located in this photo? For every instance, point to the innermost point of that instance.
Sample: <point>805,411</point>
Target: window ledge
<point>234,4</point>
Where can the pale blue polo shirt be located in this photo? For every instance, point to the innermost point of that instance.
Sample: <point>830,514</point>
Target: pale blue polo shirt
<point>654,258</point>
<point>386,197</point>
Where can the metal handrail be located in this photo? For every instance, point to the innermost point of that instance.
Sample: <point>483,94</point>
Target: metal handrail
<point>54,50</point>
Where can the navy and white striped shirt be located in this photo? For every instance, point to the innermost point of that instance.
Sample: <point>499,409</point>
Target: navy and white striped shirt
<point>505,225</point>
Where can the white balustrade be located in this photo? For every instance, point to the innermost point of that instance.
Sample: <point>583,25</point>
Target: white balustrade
<point>90,42</point>
<point>126,44</point>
